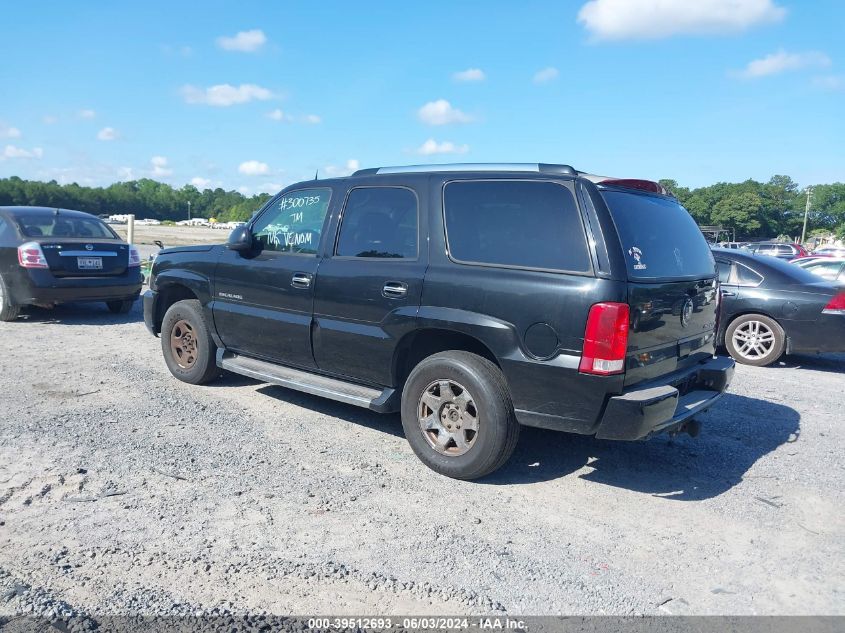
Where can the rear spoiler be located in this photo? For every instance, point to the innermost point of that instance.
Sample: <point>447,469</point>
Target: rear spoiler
<point>629,183</point>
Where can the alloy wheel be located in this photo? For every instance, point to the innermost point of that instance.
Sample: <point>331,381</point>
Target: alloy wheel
<point>448,417</point>
<point>753,340</point>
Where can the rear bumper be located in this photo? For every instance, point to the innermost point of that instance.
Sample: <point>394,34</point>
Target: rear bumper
<point>149,299</point>
<point>41,287</point>
<point>647,410</point>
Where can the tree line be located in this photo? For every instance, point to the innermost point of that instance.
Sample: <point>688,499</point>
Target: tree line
<point>751,209</point>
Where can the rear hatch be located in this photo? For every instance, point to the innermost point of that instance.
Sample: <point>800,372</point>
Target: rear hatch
<point>75,245</point>
<point>672,284</point>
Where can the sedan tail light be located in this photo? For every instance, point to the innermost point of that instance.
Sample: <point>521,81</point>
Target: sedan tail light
<point>30,255</point>
<point>836,305</point>
<point>605,339</point>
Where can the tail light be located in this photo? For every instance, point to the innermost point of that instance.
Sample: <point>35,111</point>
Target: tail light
<point>134,257</point>
<point>605,339</point>
<point>836,305</point>
<point>30,255</point>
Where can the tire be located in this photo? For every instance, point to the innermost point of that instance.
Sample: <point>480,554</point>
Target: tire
<point>9,310</point>
<point>755,339</point>
<point>189,350</point>
<point>477,396</point>
<point>121,306</point>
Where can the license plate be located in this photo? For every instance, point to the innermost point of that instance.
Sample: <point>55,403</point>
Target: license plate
<point>89,263</point>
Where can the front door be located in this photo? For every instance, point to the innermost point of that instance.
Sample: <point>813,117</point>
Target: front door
<point>369,287</point>
<point>263,299</point>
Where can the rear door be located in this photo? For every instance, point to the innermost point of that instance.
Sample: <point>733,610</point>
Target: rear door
<point>263,299</point>
<point>672,286</point>
<point>369,287</point>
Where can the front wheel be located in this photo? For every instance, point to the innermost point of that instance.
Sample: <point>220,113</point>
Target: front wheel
<point>755,339</point>
<point>189,350</point>
<point>8,309</point>
<point>458,416</point>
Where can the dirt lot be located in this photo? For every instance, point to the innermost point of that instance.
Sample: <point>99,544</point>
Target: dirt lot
<point>174,235</point>
<point>123,490</point>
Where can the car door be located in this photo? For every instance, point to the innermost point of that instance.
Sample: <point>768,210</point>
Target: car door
<point>369,286</point>
<point>263,299</point>
<point>727,285</point>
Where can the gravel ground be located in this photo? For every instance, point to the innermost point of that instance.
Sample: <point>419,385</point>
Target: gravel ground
<point>124,491</point>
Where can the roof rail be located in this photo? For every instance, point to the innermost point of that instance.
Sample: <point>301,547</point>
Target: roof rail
<point>546,168</point>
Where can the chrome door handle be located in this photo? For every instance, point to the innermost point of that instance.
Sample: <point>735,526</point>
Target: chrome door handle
<point>394,290</point>
<point>728,293</point>
<point>301,280</point>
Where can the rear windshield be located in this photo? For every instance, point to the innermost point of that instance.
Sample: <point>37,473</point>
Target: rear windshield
<point>43,225</point>
<point>659,237</point>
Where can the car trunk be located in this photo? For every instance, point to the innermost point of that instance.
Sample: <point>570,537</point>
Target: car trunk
<point>672,284</point>
<point>83,257</point>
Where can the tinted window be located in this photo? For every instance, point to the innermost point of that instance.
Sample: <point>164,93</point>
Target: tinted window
<point>294,222</point>
<point>52,225</point>
<point>747,277</point>
<point>659,237</point>
<point>785,249</point>
<point>515,223</point>
<point>724,270</point>
<point>379,222</point>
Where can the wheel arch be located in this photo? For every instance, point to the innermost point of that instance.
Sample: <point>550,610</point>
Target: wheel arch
<point>733,317</point>
<point>422,343</point>
<point>168,294</point>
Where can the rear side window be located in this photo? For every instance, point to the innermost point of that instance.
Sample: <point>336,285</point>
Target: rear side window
<point>379,222</point>
<point>523,224</point>
<point>52,225</point>
<point>294,222</point>
<point>747,277</point>
<point>724,270</point>
<point>659,237</point>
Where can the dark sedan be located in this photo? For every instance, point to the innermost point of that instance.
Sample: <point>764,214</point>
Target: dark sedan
<point>771,307</point>
<point>51,256</point>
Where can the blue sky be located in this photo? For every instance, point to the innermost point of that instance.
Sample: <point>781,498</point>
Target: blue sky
<point>255,95</point>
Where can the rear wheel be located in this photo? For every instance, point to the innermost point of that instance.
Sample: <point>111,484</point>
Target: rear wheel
<point>755,339</point>
<point>458,416</point>
<point>120,306</point>
<point>9,310</point>
<point>189,350</point>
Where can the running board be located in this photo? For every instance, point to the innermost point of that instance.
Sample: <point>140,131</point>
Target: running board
<point>383,401</point>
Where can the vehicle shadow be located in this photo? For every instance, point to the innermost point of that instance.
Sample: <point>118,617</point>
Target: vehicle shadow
<point>79,314</point>
<point>738,432</point>
<point>819,362</point>
<point>389,423</point>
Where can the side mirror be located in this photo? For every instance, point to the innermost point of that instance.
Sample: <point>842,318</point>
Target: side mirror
<point>240,240</point>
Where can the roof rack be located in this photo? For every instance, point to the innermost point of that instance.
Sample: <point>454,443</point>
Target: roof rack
<point>545,168</point>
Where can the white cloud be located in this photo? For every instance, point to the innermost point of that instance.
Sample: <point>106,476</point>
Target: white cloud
<point>313,119</point>
<point>243,41</point>
<point>278,115</point>
<point>11,151</point>
<point>253,168</point>
<point>87,114</point>
<point>49,119</point>
<point>441,112</point>
<point>470,74</point>
<point>546,75</point>
<point>431,147</point>
<point>107,134</point>
<point>223,95</point>
<point>201,183</point>
<point>832,83</point>
<point>333,171</point>
<point>160,167</point>
<point>654,19</point>
<point>776,63</point>
<point>7,131</point>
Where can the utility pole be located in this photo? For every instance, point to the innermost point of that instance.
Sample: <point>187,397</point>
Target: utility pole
<point>189,210</point>
<point>806,213</point>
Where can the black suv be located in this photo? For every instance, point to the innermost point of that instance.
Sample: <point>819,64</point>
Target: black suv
<point>51,256</point>
<point>472,298</point>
